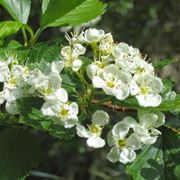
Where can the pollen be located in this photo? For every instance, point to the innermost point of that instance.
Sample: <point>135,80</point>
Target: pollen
<point>144,90</point>
<point>95,129</point>
<point>63,112</point>
<point>110,84</point>
<point>121,143</point>
<point>12,81</point>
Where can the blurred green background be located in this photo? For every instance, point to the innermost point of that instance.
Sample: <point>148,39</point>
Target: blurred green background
<point>150,25</point>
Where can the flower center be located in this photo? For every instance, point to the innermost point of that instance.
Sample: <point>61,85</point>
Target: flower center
<point>26,71</point>
<point>48,91</point>
<point>144,90</point>
<point>110,84</point>
<point>140,70</point>
<point>121,143</point>
<point>12,81</point>
<point>63,112</point>
<point>95,129</point>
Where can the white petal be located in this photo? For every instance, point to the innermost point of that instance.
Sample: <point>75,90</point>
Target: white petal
<point>77,63</point>
<point>122,93</point>
<point>80,49</point>
<point>147,139</point>
<point>140,130</point>
<point>161,119</point>
<point>127,155</point>
<point>130,121</point>
<point>12,107</point>
<point>62,95</point>
<point>98,82</point>
<point>149,100</point>
<point>134,88</point>
<point>2,97</point>
<point>74,108</point>
<point>49,109</point>
<point>113,155</point>
<point>100,118</point>
<point>69,123</point>
<point>57,66</point>
<point>91,70</point>
<point>133,142</point>
<point>55,80</point>
<point>111,140</point>
<point>120,130</point>
<point>82,131</point>
<point>95,142</point>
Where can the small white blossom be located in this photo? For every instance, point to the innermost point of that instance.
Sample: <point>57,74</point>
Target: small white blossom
<point>114,82</point>
<point>71,56</point>
<point>148,122</point>
<point>123,147</point>
<point>93,133</point>
<point>62,113</point>
<point>93,35</point>
<point>147,90</point>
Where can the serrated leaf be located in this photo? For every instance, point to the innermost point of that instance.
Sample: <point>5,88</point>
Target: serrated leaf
<point>19,152</point>
<point>61,12</point>
<point>157,161</point>
<point>162,63</point>
<point>47,52</point>
<point>8,28</point>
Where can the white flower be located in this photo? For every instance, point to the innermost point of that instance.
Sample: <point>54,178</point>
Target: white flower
<point>123,51</point>
<point>96,69</point>
<point>62,113</point>
<point>148,122</point>
<point>147,90</point>
<point>93,35</point>
<point>57,66</point>
<point>71,56</point>
<point>4,71</point>
<point>93,133</point>
<point>113,81</point>
<point>106,44</point>
<point>123,148</point>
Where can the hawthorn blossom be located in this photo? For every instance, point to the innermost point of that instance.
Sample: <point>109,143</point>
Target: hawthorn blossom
<point>71,55</point>
<point>93,133</point>
<point>61,113</point>
<point>123,145</point>
<point>113,81</point>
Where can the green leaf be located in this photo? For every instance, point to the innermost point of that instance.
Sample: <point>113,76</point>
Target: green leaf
<point>162,63</point>
<point>8,28</point>
<point>61,12</point>
<point>44,5</point>
<point>18,9</point>
<point>19,152</point>
<point>46,52</point>
<point>158,161</point>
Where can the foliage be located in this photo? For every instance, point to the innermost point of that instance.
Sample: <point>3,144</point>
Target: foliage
<point>19,153</point>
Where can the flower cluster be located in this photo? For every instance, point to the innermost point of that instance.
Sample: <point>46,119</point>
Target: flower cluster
<point>129,135</point>
<point>19,81</point>
<point>119,69</point>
